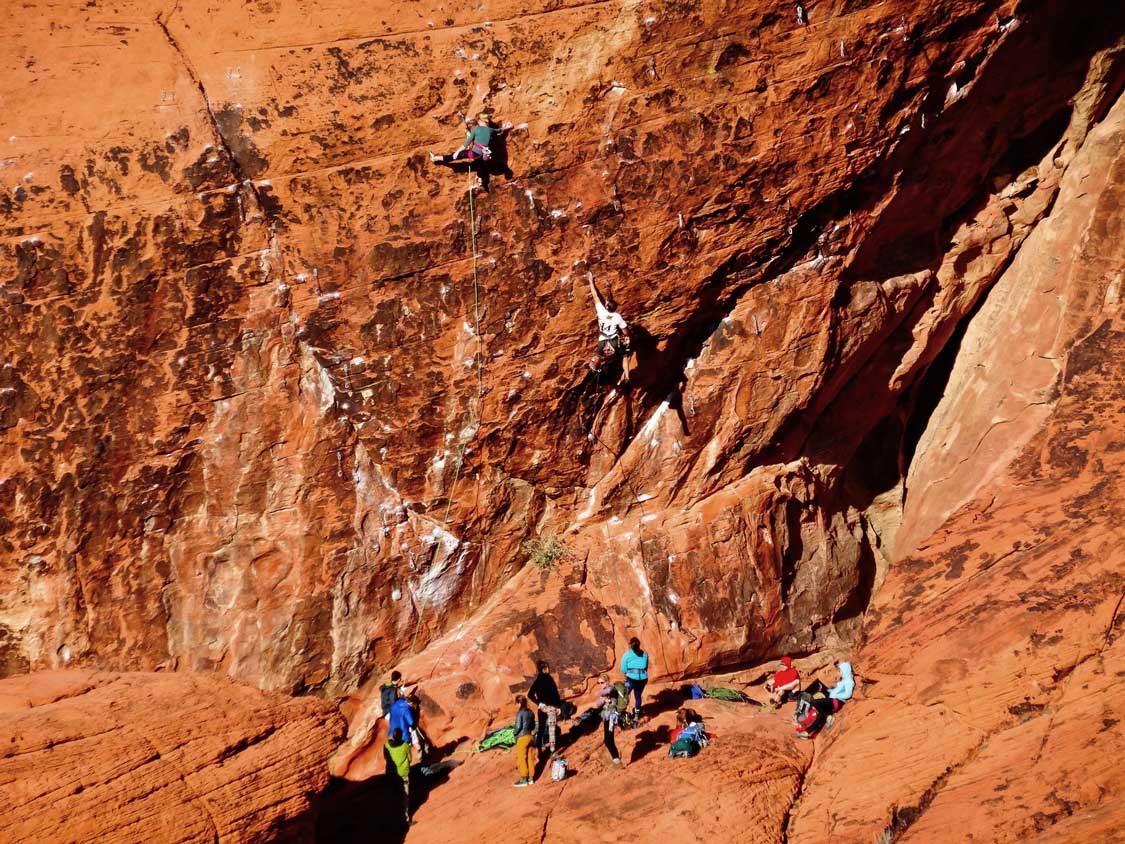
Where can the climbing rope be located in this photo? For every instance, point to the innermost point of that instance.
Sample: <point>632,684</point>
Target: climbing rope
<point>474,415</point>
<point>474,407</point>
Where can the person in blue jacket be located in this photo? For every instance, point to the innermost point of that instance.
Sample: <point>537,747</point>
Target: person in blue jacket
<point>401,717</point>
<point>634,665</point>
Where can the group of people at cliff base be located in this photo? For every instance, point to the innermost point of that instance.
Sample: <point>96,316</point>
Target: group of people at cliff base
<point>816,707</point>
<point>539,711</point>
<point>541,733</point>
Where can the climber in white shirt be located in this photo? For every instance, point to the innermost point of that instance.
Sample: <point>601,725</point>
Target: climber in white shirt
<point>613,333</point>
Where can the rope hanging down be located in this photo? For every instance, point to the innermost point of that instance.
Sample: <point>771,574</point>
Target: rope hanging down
<point>474,415</point>
<point>474,408</point>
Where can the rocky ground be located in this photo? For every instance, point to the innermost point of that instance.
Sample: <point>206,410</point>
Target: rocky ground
<point>120,758</point>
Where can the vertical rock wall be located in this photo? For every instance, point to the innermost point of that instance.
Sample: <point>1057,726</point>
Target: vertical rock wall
<point>265,413</point>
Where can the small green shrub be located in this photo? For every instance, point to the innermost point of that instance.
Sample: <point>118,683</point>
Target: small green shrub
<point>887,836</point>
<point>546,552</point>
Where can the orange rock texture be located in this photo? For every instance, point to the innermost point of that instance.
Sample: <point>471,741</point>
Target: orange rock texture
<point>115,758</point>
<point>281,400</point>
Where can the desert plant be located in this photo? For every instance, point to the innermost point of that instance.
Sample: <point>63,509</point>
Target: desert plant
<point>546,552</point>
<point>887,836</point>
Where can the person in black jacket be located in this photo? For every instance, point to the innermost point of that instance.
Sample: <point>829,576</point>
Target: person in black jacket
<point>544,693</point>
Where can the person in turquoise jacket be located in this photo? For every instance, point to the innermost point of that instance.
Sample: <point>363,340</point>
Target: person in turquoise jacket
<point>634,665</point>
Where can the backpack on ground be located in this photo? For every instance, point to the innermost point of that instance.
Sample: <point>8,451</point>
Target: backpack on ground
<point>388,693</point>
<point>566,710</point>
<point>697,692</point>
<point>503,738</point>
<point>804,707</point>
<point>558,770</point>
<point>684,747</point>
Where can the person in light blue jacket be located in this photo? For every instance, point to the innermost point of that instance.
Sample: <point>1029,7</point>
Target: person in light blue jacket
<point>634,665</point>
<point>842,691</point>
<point>824,703</point>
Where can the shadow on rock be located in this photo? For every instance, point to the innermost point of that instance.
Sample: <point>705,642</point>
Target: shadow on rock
<point>372,811</point>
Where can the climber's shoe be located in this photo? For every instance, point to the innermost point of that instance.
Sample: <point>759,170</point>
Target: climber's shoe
<point>803,736</point>
<point>433,157</point>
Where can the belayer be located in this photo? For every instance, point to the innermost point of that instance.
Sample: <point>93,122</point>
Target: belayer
<point>634,665</point>
<point>613,333</point>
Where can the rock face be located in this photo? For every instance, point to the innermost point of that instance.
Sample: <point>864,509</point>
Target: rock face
<point>282,401</point>
<point>993,654</point>
<point>157,758</point>
<point>264,413</point>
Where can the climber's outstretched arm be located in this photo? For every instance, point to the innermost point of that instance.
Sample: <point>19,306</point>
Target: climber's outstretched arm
<point>594,291</point>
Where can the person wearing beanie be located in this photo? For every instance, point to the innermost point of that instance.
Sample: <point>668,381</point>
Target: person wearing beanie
<point>784,684</point>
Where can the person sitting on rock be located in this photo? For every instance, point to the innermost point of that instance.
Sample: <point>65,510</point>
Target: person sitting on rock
<point>825,702</point>
<point>396,751</point>
<point>784,684</point>
<point>544,693</point>
<point>475,150</point>
<point>634,665</point>
<point>613,333</point>
<point>524,732</point>
<point>611,706</point>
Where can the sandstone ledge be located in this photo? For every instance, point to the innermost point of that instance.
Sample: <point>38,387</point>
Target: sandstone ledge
<point>157,758</point>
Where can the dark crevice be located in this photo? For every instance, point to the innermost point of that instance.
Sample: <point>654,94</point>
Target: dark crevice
<point>860,596</point>
<point>236,168</point>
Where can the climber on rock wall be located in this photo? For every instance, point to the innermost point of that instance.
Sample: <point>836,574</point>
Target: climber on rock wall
<point>476,149</point>
<point>613,333</point>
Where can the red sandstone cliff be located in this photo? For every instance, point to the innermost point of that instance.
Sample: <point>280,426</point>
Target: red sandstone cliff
<point>264,414</point>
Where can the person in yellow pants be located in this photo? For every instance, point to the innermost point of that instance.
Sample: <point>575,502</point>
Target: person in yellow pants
<point>525,733</point>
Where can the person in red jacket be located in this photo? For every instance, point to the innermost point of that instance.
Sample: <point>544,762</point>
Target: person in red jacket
<point>784,684</point>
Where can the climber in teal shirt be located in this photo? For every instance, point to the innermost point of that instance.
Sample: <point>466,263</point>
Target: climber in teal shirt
<point>634,665</point>
<point>477,149</point>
